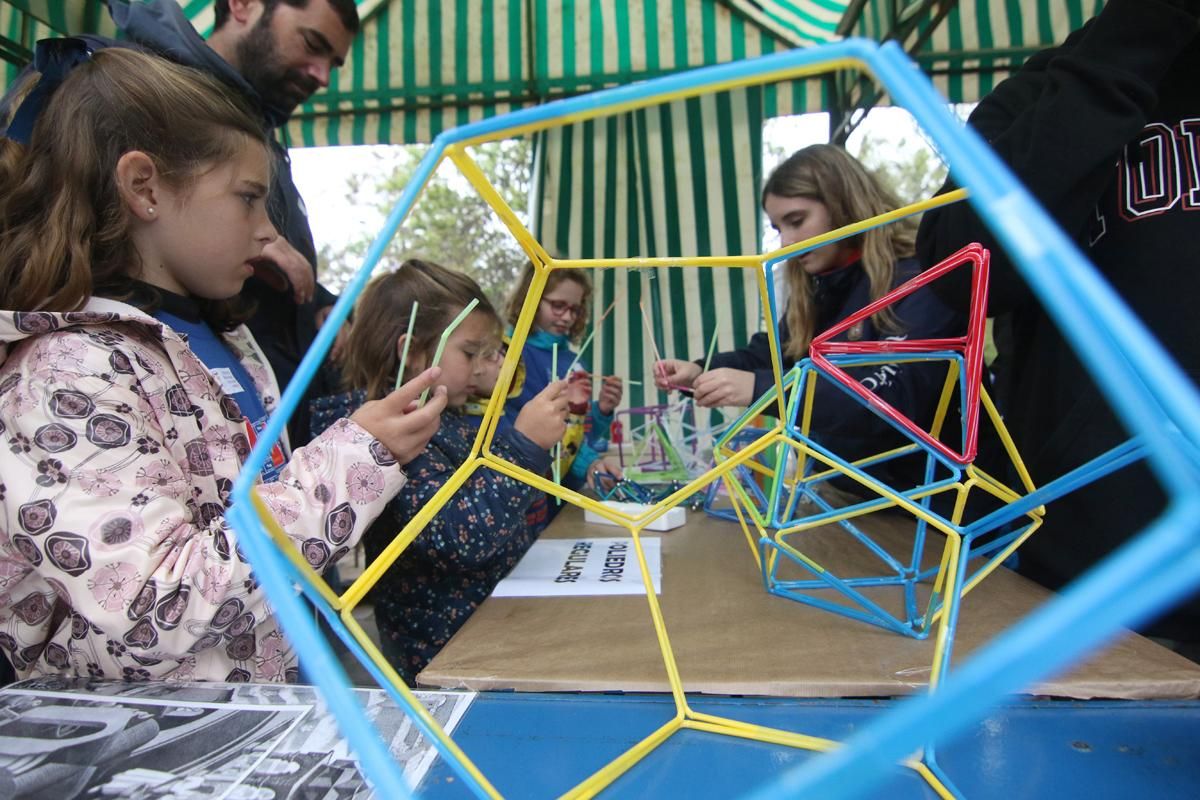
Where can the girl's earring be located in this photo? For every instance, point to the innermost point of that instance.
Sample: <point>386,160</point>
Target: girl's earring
<point>150,210</point>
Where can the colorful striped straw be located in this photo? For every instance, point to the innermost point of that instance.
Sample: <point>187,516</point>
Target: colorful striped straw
<point>412,317</point>
<point>437,355</point>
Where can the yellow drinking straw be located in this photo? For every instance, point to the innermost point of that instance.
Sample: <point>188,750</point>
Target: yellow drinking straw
<point>588,340</point>
<point>558,444</point>
<point>437,355</point>
<point>412,317</point>
<point>650,333</point>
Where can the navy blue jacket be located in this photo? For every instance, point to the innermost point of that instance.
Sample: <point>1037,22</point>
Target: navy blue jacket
<point>455,562</point>
<point>538,357</point>
<point>839,423</point>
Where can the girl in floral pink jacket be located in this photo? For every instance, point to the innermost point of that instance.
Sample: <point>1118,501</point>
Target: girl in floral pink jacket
<point>144,185</point>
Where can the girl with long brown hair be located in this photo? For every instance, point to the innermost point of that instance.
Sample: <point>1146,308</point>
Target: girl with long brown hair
<point>818,189</point>
<point>130,394</point>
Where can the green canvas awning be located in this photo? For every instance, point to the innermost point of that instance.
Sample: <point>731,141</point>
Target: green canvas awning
<point>677,180</point>
<point>420,66</point>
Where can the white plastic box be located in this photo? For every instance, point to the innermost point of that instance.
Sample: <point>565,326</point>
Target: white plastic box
<point>674,518</point>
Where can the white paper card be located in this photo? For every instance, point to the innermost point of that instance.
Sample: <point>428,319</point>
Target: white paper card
<point>583,567</point>
<point>228,382</point>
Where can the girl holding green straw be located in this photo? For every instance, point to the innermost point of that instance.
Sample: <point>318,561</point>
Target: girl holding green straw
<point>481,533</point>
<point>562,318</point>
<point>817,189</point>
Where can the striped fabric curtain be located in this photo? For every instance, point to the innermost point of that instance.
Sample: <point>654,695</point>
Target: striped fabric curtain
<point>980,42</point>
<point>676,180</point>
<point>419,68</point>
<point>671,181</point>
<point>23,22</point>
<point>802,22</point>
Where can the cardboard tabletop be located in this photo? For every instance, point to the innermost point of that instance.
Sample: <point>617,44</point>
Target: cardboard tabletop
<point>730,636</point>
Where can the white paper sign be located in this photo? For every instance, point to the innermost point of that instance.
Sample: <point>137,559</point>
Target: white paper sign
<point>576,567</point>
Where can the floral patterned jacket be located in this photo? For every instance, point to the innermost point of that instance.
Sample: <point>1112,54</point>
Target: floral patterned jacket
<point>118,451</point>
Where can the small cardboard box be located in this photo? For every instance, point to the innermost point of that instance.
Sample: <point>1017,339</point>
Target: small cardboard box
<point>675,518</point>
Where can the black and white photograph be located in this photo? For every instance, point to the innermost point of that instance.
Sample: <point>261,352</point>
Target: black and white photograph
<point>59,747</point>
<point>196,740</point>
<point>315,759</point>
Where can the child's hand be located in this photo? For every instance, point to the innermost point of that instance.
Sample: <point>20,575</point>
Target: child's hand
<point>579,392</point>
<point>724,387</point>
<point>396,421</point>
<point>544,418</point>
<point>611,391</point>
<point>671,373</point>
<point>600,474</point>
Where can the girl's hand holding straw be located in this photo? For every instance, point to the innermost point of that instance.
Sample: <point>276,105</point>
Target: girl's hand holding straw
<point>398,422</point>
<point>544,418</point>
<point>676,374</point>
<point>612,389</point>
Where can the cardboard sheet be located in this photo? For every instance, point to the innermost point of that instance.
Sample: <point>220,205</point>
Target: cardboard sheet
<point>731,637</point>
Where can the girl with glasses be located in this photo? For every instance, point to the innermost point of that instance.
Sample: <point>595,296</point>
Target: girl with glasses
<point>561,320</point>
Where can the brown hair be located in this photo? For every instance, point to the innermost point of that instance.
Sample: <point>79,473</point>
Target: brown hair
<point>557,277</point>
<point>64,230</point>
<point>830,175</point>
<point>381,318</point>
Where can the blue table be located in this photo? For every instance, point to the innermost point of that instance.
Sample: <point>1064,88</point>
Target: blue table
<point>540,745</point>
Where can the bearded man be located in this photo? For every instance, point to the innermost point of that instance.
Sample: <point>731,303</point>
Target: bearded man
<point>277,53</point>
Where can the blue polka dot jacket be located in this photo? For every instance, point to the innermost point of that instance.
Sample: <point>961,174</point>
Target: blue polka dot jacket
<point>465,550</point>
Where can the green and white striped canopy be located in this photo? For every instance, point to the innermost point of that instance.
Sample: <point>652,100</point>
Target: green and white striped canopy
<point>420,66</point>
<point>678,180</point>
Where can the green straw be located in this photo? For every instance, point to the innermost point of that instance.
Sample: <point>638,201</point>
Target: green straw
<point>412,317</point>
<point>437,355</point>
<point>712,345</point>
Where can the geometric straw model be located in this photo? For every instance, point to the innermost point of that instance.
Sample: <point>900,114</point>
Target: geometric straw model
<point>1151,395</point>
<point>796,505</point>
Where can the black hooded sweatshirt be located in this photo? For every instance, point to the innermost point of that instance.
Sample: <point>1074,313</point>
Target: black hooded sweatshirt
<point>1105,131</point>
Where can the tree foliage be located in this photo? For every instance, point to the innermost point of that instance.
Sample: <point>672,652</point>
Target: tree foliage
<point>450,223</point>
<point>911,170</point>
